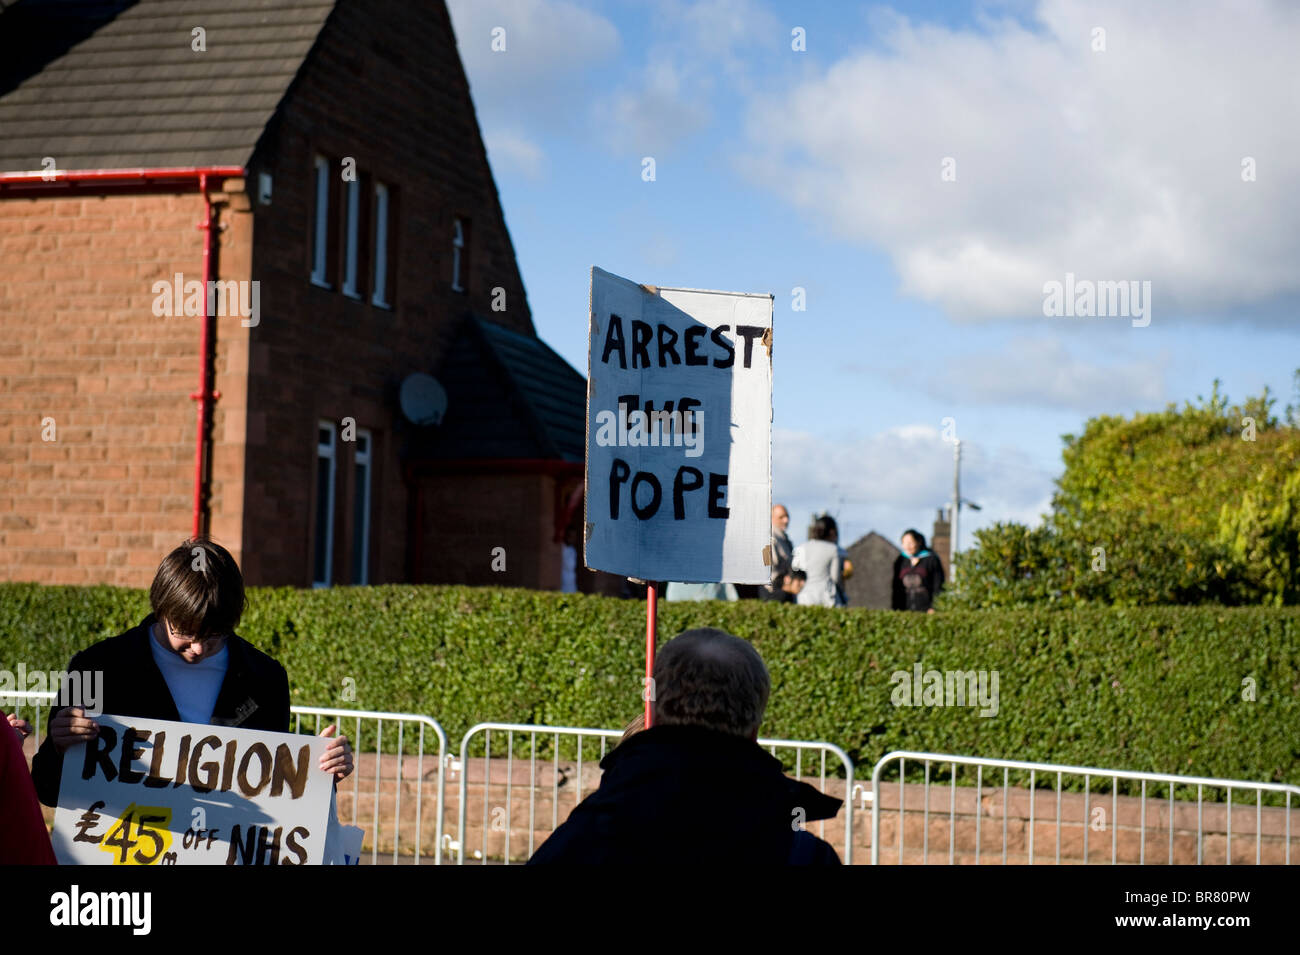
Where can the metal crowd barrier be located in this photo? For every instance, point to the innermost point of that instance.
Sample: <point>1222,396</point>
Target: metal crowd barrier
<point>20,700</point>
<point>366,732</point>
<point>555,784</point>
<point>1088,818</point>
<point>412,730</point>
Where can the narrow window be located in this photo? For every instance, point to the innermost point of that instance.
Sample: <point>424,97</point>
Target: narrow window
<point>320,224</point>
<point>458,257</point>
<point>324,543</point>
<point>350,239</point>
<point>361,509</point>
<point>380,281</point>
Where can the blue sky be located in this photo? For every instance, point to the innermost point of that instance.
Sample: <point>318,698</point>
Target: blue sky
<point>1116,156</point>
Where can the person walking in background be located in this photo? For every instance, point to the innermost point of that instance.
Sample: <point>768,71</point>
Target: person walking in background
<point>782,554</point>
<point>846,571</point>
<point>820,560</point>
<point>918,575</point>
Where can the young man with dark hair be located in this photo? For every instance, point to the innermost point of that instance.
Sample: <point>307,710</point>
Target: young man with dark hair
<point>182,662</point>
<point>696,787</point>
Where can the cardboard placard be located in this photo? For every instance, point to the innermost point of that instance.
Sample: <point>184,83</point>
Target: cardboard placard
<point>155,792</point>
<point>679,433</point>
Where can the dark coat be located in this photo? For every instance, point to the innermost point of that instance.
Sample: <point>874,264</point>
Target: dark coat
<point>693,796</point>
<point>254,694</point>
<point>933,578</point>
<point>23,838</point>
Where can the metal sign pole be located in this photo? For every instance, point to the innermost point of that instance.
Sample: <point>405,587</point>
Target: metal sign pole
<point>651,638</point>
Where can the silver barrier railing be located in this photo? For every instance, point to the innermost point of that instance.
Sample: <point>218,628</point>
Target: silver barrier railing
<point>557,772</point>
<point>367,738</point>
<point>418,726</point>
<point>1087,820</point>
<point>36,700</point>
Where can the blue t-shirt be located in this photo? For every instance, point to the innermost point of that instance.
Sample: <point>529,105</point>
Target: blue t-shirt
<point>194,686</point>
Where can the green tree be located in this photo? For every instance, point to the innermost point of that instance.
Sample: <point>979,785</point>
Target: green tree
<point>1193,505</point>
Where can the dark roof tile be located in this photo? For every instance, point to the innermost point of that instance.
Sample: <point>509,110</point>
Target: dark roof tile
<point>115,84</point>
<point>508,396</point>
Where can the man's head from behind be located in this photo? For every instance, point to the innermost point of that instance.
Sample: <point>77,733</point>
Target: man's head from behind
<point>710,678</point>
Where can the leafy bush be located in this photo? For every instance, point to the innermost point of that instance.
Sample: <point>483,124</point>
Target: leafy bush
<point>1157,689</point>
<point>1193,506</point>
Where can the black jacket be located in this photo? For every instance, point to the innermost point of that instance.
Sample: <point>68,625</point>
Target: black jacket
<point>692,796</point>
<point>254,694</point>
<point>931,579</point>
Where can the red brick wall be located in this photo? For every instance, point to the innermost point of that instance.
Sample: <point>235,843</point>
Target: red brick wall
<point>384,86</point>
<point>465,516</point>
<point>79,343</point>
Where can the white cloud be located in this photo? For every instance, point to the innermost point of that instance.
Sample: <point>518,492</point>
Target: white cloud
<point>1122,164</point>
<point>898,478</point>
<point>729,34</point>
<point>1043,372</point>
<point>700,46</point>
<point>508,149</point>
<point>546,43</point>
<point>666,105</point>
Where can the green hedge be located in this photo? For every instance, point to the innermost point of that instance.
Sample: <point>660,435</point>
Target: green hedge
<point>1157,689</point>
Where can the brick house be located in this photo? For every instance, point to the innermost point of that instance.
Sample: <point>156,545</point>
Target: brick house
<point>320,162</point>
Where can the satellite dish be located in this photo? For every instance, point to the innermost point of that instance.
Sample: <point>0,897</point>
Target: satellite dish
<point>423,400</point>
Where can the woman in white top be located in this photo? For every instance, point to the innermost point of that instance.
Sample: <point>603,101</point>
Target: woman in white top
<point>820,559</point>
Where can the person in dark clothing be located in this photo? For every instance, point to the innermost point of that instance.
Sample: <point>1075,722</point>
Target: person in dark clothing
<point>696,786</point>
<point>782,552</point>
<point>918,575</point>
<point>182,662</point>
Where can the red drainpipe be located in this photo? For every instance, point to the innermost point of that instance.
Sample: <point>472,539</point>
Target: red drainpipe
<point>205,396</point>
<point>62,181</point>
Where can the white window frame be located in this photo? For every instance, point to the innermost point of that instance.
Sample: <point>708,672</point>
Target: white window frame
<point>380,284</point>
<point>320,238</point>
<point>363,459</point>
<point>327,452</point>
<point>350,247</point>
<point>457,243</point>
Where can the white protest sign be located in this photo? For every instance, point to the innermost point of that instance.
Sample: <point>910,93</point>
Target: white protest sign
<point>342,843</point>
<point>154,792</point>
<point>679,433</point>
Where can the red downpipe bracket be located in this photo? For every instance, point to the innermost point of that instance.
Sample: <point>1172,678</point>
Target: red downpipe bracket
<point>62,181</point>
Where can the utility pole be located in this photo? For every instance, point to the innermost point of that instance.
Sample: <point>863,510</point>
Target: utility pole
<point>956,508</point>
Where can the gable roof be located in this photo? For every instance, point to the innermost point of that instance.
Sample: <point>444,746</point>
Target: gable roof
<point>874,541</point>
<point>508,396</point>
<point>114,84</point>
